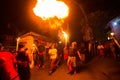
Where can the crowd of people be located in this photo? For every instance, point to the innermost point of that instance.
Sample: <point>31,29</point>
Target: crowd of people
<point>15,65</point>
<point>108,48</point>
<point>74,54</point>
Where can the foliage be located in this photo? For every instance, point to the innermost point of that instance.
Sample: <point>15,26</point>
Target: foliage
<point>98,20</point>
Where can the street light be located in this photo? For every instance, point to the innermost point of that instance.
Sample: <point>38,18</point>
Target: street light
<point>112,34</point>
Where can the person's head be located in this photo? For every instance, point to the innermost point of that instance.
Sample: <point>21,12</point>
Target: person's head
<point>12,50</point>
<point>53,46</point>
<point>74,44</point>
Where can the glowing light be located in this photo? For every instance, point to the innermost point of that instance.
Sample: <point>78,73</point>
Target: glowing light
<point>114,23</point>
<point>65,35</point>
<point>18,39</point>
<point>51,8</point>
<point>112,34</point>
<point>60,42</point>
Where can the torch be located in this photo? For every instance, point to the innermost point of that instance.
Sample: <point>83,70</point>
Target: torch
<point>17,43</point>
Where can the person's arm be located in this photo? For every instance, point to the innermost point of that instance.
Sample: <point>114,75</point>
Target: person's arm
<point>27,53</point>
<point>49,51</point>
<point>29,57</point>
<point>78,52</point>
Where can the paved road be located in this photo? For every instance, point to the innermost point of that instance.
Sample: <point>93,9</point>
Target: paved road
<point>97,69</point>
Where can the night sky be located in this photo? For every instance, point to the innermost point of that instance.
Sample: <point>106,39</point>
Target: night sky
<point>18,13</point>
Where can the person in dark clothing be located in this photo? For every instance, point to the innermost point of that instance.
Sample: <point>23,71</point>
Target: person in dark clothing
<point>73,53</point>
<point>35,56</point>
<point>107,50</point>
<point>117,51</point>
<point>23,61</point>
<point>82,52</point>
<point>41,49</point>
<point>60,55</point>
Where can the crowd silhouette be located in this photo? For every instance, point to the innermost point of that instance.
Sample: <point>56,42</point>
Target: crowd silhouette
<point>15,65</point>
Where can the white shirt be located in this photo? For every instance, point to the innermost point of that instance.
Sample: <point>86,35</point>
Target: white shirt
<point>53,53</point>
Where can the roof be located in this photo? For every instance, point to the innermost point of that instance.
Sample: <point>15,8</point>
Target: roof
<point>36,36</point>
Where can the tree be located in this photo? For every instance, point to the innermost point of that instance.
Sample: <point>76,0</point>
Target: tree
<point>98,21</point>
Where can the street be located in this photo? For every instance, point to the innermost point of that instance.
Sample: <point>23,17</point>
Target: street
<point>98,68</point>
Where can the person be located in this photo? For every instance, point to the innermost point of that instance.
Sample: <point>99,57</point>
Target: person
<point>82,52</point>
<point>53,56</point>
<point>47,46</point>
<point>35,56</point>
<point>107,50</point>
<point>114,50</point>
<point>100,49</point>
<point>73,53</point>
<point>23,61</point>
<point>7,66</point>
<point>60,54</point>
<point>41,53</point>
<point>65,53</point>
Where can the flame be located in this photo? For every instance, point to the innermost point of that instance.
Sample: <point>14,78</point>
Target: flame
<point>51,8</point>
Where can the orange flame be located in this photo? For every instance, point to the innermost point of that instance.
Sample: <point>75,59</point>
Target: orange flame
<point>51,8</point>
